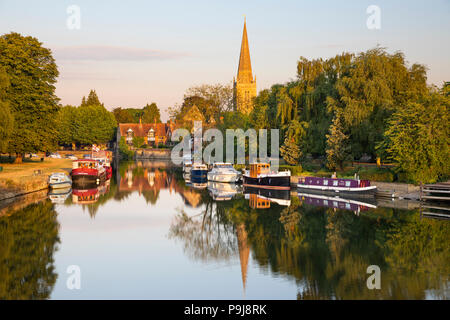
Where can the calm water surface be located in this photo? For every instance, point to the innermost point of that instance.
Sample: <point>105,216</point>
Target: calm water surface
<point>147,234</point>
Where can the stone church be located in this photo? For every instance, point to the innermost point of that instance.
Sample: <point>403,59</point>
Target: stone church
<point>244,87</point>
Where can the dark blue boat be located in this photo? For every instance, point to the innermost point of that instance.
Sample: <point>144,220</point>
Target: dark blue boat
<point>199,173</point>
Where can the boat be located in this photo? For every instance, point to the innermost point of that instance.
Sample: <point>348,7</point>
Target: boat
<point>260,175</point>
<point>85,171</point>
<point>221,191</point>
<point>199,173</point>
<point>59,180</point>
<point>103,159</point>
<point>223,172</point>
<point>336,202</point>
<point>85,196</point>
<point>354,187</point>
<point>59,196</point>
<point>261,198</point>
<point>187,164</point>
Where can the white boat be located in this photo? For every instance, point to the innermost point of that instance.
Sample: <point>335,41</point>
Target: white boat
<point>59,196</point>
<point>187,164</point>
<point>223,172</point>
<point>59,180</point>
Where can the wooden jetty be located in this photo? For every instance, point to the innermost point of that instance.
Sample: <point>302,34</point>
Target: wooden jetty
<point>436,192</point>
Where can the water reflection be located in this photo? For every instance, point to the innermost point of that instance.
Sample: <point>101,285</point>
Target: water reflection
<point>317,244</point>
<point>28,239</point>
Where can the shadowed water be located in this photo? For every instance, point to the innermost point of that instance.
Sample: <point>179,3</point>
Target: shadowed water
<point>147,234</point>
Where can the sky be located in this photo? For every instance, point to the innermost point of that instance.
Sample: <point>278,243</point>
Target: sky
<point>137,52</point>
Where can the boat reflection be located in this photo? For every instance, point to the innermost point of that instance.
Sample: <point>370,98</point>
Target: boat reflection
<point>222,191</point>
<point>88,194</point>
<point>262,198</point>
<point>336,202</point>
<point>59,196</point>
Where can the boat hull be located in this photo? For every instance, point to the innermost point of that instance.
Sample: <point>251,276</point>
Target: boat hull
<point>61,185</point>
<point>199,176</point>
<point>268,182</point>
<point>363,192</point>
<point>217,177</point>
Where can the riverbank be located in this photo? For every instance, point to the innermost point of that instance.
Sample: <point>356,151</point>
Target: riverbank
<point>31,176</point>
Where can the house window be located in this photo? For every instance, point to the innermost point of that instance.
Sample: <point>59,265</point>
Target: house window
<point>129,136</point>
<point>151,136</point>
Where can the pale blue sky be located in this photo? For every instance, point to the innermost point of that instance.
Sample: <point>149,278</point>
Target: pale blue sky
<point>134,52</point>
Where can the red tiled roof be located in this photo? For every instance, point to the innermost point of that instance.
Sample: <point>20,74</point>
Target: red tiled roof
<point>142,129</point>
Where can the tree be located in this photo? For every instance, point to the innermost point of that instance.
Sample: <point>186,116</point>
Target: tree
<point>123,115</point>
<point>92,100</point>
<point>219,96</point>
<point>337,144</point>
<point>151,113</point>
<point>418,138</point>
<point>294,139</point>
<point>94,124</point>
<point>6,117</point>
<point>32,73</point>
<point>66,125</point>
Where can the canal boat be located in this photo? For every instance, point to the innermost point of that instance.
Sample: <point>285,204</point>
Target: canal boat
<point>59,180</point>
<point>199,173</point>
<point>260,175</point>
<point>336,202</point>
<point>87,171</point>
<point>223,172</point>
<point>259,196</point>
<point>354,187</point>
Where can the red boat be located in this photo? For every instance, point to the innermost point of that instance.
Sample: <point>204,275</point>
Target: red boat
<point>103,158</point>
<point>85,171</point>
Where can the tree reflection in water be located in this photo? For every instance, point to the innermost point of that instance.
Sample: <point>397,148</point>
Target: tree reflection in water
<point>28,241</point>
<point>326,251</point>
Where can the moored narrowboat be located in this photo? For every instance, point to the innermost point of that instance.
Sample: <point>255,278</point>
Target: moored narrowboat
<point>336,186</point>
<point>261,176</point>
<point>87,171</point>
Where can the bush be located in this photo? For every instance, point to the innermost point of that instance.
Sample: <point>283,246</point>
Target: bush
<point>295,170</point>
<point>376,174</point>
<point>124,151</point>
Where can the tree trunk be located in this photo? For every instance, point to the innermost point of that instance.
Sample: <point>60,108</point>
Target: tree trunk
<point>19,158</point>
<point>74,146</point>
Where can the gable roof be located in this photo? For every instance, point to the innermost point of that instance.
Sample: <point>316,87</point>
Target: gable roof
<point>142,129</point>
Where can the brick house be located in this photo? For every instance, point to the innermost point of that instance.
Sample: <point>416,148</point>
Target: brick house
<point>154,134</point>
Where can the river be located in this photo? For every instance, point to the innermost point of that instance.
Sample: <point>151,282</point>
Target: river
<point>147,234</point>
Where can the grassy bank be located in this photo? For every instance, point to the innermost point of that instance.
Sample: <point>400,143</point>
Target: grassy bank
<point>31,175</point>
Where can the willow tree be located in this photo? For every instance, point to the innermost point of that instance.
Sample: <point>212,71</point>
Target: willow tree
<point>418,138</point>
<point>337,144</point>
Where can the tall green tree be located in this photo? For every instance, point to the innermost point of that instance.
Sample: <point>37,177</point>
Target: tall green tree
<point>418,138</point>
<point>6,117</point>
<point>151,113</point>
<point>66,125</point>
<point>338,149</point>
<point>92,100</point>
<point>32,73</point>
<point>94,124</point>
<point>123,115</point>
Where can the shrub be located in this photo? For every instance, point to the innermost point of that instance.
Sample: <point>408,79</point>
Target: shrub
<point>295,170</point>
<point>124,151</point>
<point>376,174</point>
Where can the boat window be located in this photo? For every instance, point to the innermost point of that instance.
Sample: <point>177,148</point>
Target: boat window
<point>347,183</point>
<point>325,182</point>
<point>347,205</point>
<point>335,183</point>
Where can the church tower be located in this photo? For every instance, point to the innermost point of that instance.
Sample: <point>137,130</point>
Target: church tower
<point>244,87</point>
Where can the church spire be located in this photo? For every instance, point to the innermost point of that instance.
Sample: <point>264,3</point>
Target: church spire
<point>245,66</point>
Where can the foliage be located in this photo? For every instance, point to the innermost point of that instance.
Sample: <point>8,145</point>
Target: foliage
<point>138,142</point>
<point>6,117</point>
<point>124,150</point>
<point>32,73</point>
<point>29,240</point>
<point>418,138</point>
<point>92,100</point>
<point>66,127</point>
<point>94,124</point>
<point>151,113</point>
<point>375,174</point>
<point>337,146</point>
<point>123,115</point>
